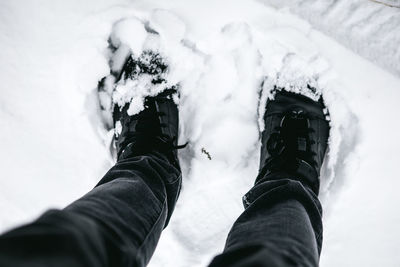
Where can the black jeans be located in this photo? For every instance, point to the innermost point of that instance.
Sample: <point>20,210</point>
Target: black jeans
<point>119,223</point>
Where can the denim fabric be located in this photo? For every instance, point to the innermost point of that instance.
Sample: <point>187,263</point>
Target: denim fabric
<point>281,226</point>
<point>120,221</point>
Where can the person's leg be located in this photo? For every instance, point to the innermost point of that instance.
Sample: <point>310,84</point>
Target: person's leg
<point>120,221</point>
<point>281,224</point>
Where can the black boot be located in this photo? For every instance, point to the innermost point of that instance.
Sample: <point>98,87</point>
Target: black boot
<point>156,127</point>
<point>295,138</point>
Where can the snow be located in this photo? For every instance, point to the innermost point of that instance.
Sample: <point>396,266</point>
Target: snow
<point>55,139</point>
<point>368,27</point>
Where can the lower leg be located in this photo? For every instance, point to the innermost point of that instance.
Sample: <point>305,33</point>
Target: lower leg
<point>118,223</point>
<point>281,226</point>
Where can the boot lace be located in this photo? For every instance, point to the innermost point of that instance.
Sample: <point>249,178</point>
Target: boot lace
<point>291,141</point>
<point>147,127</point>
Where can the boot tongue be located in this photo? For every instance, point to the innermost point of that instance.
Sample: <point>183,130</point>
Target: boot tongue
<point>294,133</point>
<point>147,121</point>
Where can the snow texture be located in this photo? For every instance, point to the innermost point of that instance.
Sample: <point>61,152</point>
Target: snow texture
<point>368,27</point>
<point>56,138</point>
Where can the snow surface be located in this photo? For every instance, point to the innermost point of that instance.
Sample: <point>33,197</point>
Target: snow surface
<point>368,27</point>
<point>55,143</point>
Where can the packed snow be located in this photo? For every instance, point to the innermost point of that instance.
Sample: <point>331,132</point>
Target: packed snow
<point>226,57</point>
